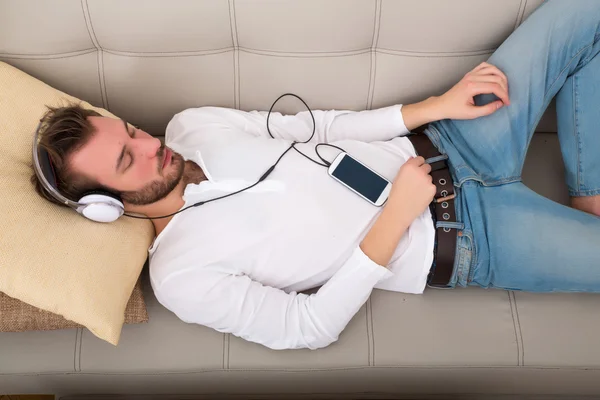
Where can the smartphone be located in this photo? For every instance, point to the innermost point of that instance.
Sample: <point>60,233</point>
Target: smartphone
<point>359,178</point>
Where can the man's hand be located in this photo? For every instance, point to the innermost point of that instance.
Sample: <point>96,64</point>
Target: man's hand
<point>411,193</point>
<point>458,103</point>
<point>413,189</point>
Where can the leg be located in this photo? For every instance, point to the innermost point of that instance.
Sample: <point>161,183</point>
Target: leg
<point>554,43</point>
<point>531,243</point>
<point>588,204</point>
<point>578,114</point>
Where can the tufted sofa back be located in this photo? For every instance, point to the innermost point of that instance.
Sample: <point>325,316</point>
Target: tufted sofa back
<point>145,60</point>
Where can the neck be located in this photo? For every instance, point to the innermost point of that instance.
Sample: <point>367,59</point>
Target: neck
<point>192,173</point>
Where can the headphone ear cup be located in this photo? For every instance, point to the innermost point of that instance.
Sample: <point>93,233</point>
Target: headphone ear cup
<point>101,206</point>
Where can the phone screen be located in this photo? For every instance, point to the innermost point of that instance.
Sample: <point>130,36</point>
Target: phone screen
<point>360,178</point>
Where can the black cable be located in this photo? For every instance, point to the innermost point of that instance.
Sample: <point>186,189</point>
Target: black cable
<point>330,145</point>
<point>325,162</point>
<point>262,178</point>
<point>268,171</point>
<point>311,135</point>
<point>316,162</point>
<point>307,107</point>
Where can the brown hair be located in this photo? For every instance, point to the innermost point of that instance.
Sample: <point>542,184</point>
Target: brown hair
<point>65,130</point>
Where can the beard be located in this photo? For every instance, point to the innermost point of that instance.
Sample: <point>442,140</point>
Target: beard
<point>159,189</point>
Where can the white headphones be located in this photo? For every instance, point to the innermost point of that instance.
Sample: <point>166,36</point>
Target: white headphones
<point>98,205</point>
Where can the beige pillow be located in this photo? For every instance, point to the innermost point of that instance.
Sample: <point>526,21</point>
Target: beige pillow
<point>51,257</point>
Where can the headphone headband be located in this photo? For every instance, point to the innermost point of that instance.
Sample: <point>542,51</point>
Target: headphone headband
<point>98,206</point>
<point>42,164</point>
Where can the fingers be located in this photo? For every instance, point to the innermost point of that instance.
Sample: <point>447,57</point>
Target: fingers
<point>426,167</point>
<point>488,70</point>
<point>485,68</point>
<point>486,88</point>
<point>492,70</point>
<point>487,109</point>
<point>493,79</point>
<point>480,67</point>
<point>418,161</point>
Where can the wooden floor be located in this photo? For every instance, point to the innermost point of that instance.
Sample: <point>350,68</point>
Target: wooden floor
<point>26,397</point>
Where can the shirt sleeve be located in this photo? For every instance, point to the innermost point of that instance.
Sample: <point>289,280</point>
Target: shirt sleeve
<point>245,308</point>
<point>330,126</point>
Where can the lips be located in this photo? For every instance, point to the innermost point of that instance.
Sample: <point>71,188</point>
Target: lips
<point>168,156</point>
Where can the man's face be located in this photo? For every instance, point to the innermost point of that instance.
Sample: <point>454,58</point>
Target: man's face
<point>128,161</point>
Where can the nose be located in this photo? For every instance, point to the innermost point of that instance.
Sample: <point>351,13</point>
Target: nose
<point>147,146</point>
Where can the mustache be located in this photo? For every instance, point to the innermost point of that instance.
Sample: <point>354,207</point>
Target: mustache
<point>160,154</point>
<point>161,150</point>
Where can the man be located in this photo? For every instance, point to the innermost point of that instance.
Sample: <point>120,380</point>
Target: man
<point>238,263</point>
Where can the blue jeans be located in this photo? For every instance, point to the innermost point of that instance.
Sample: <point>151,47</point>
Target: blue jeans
<point>511,237</point>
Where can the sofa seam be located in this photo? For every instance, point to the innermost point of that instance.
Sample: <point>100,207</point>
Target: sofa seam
<point>517,336</point>
<point>335,395</point>
<point>236,51</point>
<point>332,369</point>
<point>315,53</point>
<point>174,54</point>
<point>374,43</point>
<point>520,13</point>
<point>369,333</point>
<point>306,55</point>
<point>512,315</point>
<point>372,54</point>
<point>273,53</point>
<point>435,54</point>
<point>226,350</point>
<point>235,42</point>
<point>458,53</point>
<point>54,56</point>
<point>101,77</point>
<point>77,352</point>
<point>104,80</point>
<point>520,329</point>
<point>80,348</point>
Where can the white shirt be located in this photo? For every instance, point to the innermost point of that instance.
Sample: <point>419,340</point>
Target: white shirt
<point>237,264</point>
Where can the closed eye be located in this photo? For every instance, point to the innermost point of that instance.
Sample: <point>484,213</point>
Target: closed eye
<point>130,163</point>
<point>132,135</point>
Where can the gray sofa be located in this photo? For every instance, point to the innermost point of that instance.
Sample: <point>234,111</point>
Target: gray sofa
<point>145,60</point>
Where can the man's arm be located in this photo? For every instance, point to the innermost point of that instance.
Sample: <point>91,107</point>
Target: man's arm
<point>333,125</point>
<point>216,123</point>
<point>422,113</point>
<point>412,192</point>
<point>236,304</point>
<point>458,103</point>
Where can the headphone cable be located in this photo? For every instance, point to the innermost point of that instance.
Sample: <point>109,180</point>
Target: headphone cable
<point>264,176</point>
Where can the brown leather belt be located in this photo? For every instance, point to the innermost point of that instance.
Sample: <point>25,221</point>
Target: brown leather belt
<point>443,209</point>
